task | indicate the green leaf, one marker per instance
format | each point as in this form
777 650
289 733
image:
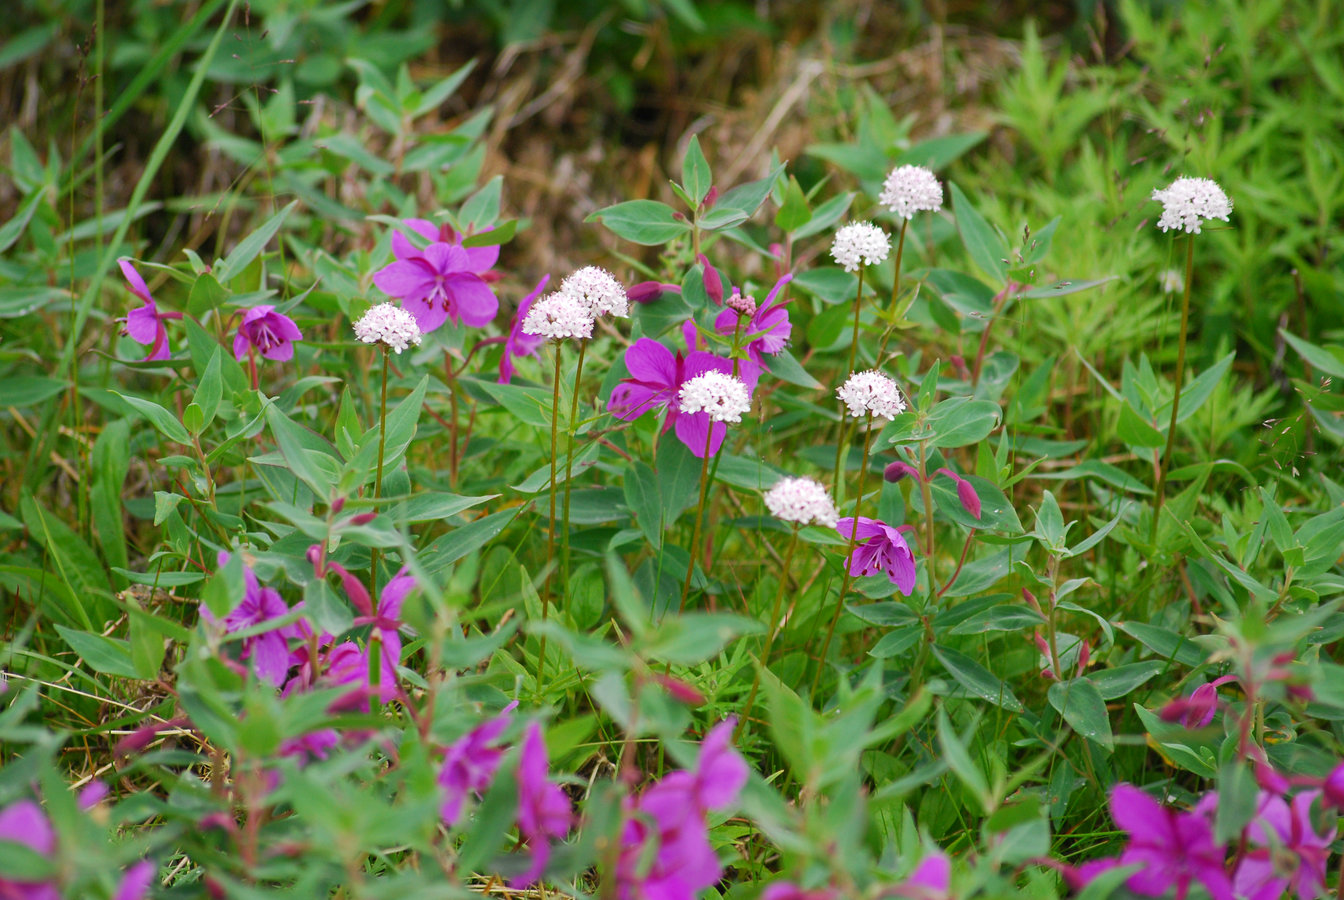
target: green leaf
1050 522
1200 389
164 422
976 679
1115 683
747 198
454 545
30 390
300 448
111 462
251 246
210 389
1000 618
983 243
482 208
164 504
958 759
1319 358
75 562
1165 643
696 179
1133 430
793 212
645 501
959 421
108 656
646 222
692 638
1082 706
437 505
13 229
207 295
499 234
1238 799
938 153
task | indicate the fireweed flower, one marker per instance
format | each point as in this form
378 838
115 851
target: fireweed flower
271 333
929 881
1197 710
910 189
543 809
860 244
883 549
871 392
766 327
24 823
385 619
389 325
724 397
656 379
518 343
269 651
1289 857
145 325
1172 849
470 764
599 290
559 316
1187 202
479 259
439 284
672 814
801 501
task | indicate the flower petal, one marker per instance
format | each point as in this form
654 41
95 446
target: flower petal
476 304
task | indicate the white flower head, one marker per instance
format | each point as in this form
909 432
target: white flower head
1171 281
860 243
599 290
909 189
801 500
558 316
390 326
723 396
871 392
1189 201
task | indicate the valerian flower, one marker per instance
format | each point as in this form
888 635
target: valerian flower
871 392
910 189
439 284
860 244
1188 202
145 324
559 316
519 343
599 290
724 397
882 549
801 501
544 812
656 379
270 333
389 325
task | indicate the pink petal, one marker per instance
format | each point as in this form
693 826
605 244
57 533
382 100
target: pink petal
428 316
402 247
240 346
693 429
476 303
411 279
142 323
650 362
137 284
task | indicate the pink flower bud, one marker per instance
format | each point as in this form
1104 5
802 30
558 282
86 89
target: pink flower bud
92 794
337 505
649 291
1270 780
317 556
970 500
1031 600
898 470
363 518
713 283
1333 788
743 306
711 198
959 366
680 690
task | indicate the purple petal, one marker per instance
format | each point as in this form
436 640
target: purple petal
428 316
933 873
447 258
482 259
650 362
240 346
402 247
142 323
1137 813
270 654
24 823
137 284
721 771
476 304
631 400
135 883
410 279
693 430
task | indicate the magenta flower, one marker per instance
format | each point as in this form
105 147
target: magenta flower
145 325
929 881
479 259
1289 857
1172 849
24 823
767 329
269 650
970 500
656 378
543 809
672 814
1197 710
519 343
437 284
270 333
135 883
469 765
883 549
386 620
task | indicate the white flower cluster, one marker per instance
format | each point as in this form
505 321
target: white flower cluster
871 392
1189 201
860 243
599 291
1171 281
559 316
909 189
724 397
389 325
801 500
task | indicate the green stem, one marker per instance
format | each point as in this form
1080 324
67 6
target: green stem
550 533
569 467
378 478
926 494
840 444
699 515
849 553
771 631
1180 379
895 291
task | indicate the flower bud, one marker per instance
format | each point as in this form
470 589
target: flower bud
712 281
649 291
1333 788
680 690
898 470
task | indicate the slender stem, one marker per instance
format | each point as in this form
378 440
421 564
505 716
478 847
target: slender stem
895 291
965 551
999 302
569 467
252 366
378 478
849 553
771 631
699 514
927 495
840 444
1180 379
550 533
